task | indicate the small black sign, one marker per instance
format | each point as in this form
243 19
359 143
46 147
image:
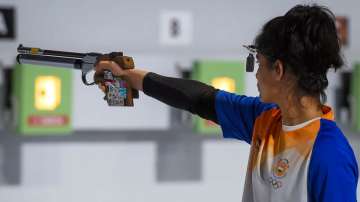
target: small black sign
7 23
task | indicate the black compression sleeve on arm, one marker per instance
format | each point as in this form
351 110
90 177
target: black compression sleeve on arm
193 96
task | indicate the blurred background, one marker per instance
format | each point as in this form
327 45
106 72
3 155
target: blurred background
73 147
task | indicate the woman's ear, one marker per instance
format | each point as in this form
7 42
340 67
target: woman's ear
278 67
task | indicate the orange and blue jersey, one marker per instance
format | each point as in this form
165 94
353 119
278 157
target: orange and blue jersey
309 162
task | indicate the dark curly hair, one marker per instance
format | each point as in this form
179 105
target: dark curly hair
305 40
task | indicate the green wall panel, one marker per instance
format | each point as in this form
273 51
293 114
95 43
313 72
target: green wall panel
207 70
31 120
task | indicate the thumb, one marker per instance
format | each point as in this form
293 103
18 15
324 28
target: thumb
108 65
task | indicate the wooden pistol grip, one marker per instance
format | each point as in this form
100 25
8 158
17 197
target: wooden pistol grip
127 62
124 62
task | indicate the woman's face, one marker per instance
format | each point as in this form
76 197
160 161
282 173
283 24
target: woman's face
266 79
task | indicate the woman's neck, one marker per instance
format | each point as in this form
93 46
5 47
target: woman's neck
294 113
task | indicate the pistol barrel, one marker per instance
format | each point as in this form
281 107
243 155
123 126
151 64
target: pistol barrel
37 51
72 63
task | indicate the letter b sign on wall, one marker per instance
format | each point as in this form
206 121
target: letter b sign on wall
176 28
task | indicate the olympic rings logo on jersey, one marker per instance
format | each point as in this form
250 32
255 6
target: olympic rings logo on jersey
275 183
